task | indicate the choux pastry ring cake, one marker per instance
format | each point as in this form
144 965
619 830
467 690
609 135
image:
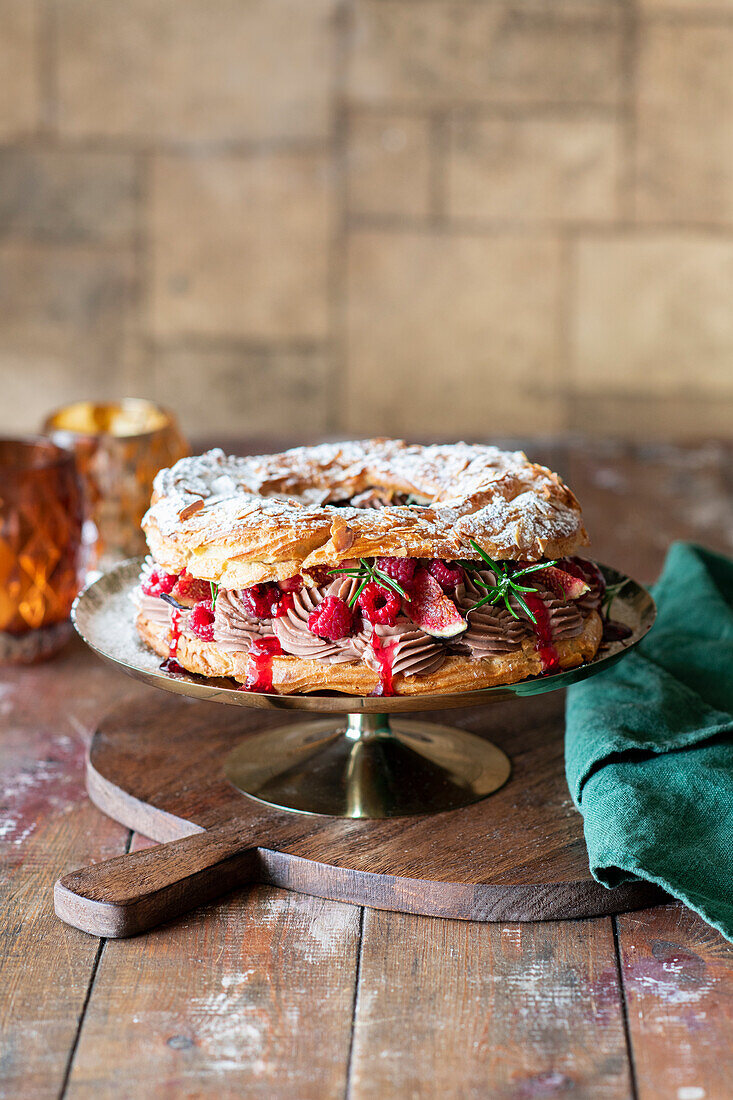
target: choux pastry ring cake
369 568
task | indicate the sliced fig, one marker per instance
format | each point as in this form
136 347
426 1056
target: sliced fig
560 582
430 608
590 573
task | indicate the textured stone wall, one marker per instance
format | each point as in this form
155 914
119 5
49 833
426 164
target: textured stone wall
427 217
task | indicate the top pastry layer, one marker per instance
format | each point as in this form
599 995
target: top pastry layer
240 521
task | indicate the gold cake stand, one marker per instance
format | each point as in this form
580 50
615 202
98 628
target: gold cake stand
359 762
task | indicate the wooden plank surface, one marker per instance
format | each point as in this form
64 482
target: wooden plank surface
255 996
46 967
678 985
461 1010
46 823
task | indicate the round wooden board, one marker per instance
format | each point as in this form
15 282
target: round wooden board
156 766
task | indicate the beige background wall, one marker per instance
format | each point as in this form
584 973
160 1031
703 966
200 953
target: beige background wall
402 216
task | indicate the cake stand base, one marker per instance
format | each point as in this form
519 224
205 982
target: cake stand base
367 766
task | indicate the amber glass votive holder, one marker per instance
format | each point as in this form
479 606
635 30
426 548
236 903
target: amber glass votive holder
119 447
41 515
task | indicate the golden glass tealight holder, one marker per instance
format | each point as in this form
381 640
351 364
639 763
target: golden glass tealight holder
119 447
41 516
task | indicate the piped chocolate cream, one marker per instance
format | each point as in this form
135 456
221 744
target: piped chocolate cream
234 629
159 611
492 629
412 651
592 599
566 621
291 629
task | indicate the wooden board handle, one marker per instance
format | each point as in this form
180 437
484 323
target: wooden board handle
134 892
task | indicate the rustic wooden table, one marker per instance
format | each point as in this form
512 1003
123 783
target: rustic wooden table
271 994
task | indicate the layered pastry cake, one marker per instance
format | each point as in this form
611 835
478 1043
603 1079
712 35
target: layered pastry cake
372 567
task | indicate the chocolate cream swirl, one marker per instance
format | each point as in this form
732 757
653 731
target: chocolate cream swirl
414 652
234 628
154 609
566 620
493 630
592 599
291 629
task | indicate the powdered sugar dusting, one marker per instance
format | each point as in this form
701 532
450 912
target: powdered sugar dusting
105 618
277 507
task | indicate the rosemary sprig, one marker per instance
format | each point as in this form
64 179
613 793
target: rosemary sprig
214 593
612 591
506 583
366 572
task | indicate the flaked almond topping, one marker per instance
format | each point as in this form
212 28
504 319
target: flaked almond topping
460 480
190 510
342 536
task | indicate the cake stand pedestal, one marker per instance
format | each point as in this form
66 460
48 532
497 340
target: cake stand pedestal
367 766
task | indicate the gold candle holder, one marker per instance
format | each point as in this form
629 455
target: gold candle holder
41 515
119 447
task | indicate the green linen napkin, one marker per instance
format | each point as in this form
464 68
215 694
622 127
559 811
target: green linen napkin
649 745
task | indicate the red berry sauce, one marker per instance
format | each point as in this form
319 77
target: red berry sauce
385 657
284 604
543 633
171 666
259 664
261 600
175 633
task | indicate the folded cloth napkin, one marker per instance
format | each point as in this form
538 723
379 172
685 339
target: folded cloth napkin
649 745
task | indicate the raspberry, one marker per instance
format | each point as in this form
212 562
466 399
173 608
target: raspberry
401 570
332 619
159 582
201 620
447 576
261 600
379 605
192 588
